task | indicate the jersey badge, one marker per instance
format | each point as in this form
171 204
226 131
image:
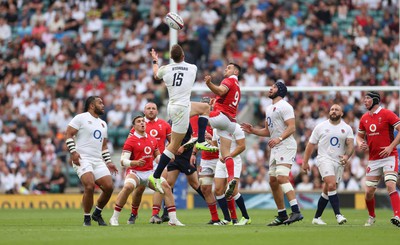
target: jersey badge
89 122
343 131
102 125
274 109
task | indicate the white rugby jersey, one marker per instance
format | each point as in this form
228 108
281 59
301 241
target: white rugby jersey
179 79
276 115
237 135
90 136
331 139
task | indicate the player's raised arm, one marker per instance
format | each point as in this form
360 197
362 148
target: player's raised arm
218 90
154 56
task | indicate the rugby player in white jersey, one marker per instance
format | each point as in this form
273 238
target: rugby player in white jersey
87 142
179 78
335 141
221 178
280 126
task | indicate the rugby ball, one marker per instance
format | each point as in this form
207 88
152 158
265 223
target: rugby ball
174 21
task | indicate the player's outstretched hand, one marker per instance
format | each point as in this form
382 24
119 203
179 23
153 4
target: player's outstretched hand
247 127
154 54
113 169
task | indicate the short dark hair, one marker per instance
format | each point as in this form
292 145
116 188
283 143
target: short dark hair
177 53
237 67
89 101
139 115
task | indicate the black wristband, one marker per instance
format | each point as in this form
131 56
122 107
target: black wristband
154 62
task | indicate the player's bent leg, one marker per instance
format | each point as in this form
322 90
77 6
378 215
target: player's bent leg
157 202
390 181
136 200
107 187
206 188
279 201
87 180
371 183
282 173
129 185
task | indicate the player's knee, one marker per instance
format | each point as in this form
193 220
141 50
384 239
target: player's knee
130 184
372 184
206 181
219 190
390 178
331 186
206 188
89 187
108 187
286 187
165 184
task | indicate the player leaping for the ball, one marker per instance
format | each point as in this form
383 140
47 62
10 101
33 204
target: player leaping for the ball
179 77
223 117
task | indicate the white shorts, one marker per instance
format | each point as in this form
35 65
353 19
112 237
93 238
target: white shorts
281 155
222 172
225 127
143 176
380 166
207 167
99 169
179 116
328 167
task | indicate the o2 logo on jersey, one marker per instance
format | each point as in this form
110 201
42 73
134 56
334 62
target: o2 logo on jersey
269 122
153 133
97 134
335 141
372 128
147 150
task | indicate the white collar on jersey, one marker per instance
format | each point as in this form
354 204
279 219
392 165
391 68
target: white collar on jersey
234 76
140 136
378 110
148 120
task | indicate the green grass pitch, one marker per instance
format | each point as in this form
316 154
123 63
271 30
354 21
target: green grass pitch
64 226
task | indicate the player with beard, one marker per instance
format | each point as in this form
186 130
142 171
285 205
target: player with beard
87 142
376 135
280 126
335 141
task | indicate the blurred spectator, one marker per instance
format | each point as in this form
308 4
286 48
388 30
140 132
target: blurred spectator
260 183
5 30
305 184
57 180
348 183
255 155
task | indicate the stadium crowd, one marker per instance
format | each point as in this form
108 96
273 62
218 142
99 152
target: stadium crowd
57 53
